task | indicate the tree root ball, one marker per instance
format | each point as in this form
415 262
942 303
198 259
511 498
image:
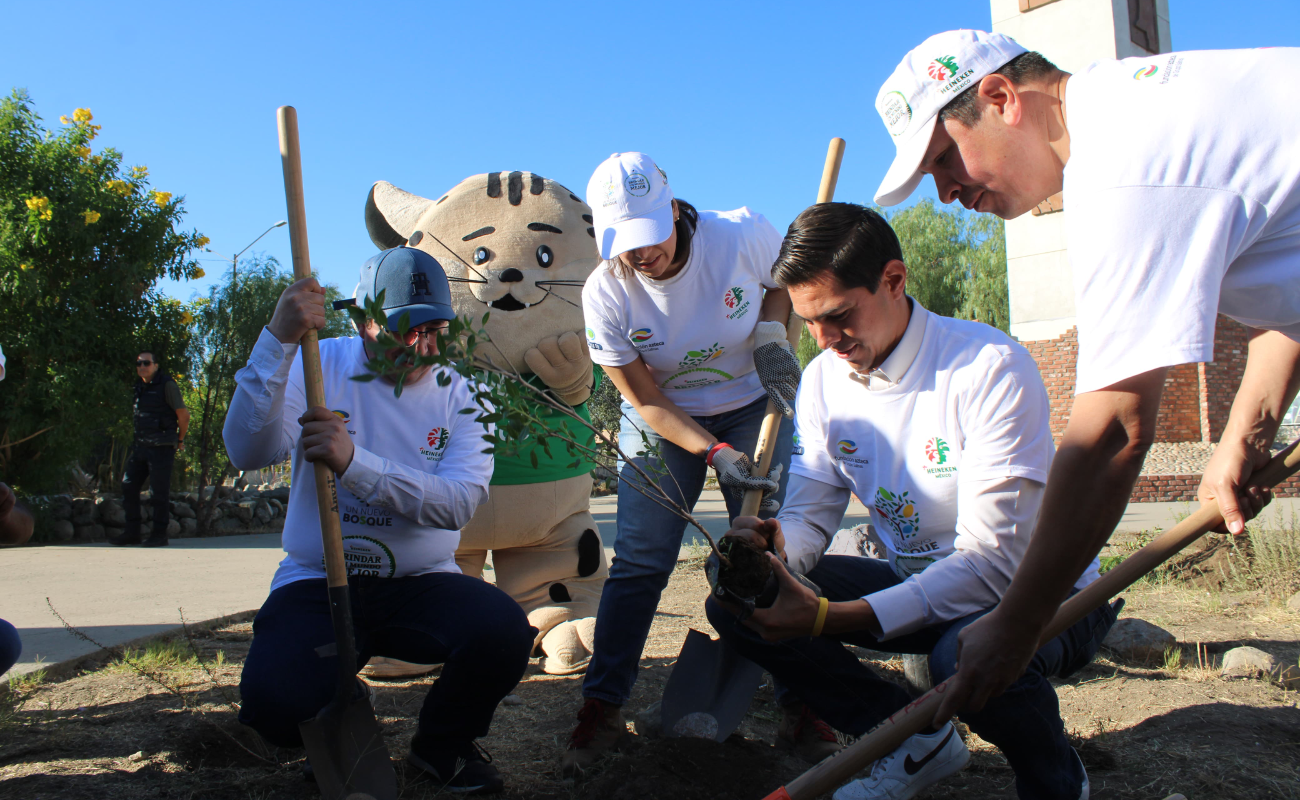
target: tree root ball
749 569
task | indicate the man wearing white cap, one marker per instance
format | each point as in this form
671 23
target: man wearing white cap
687 322
1182 177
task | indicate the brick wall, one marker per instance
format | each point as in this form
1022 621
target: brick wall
1197 397
1175 488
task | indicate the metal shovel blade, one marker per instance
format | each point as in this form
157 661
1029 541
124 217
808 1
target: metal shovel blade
346 750
708 693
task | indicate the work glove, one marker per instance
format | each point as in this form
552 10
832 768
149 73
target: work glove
734 474
564 364
776 365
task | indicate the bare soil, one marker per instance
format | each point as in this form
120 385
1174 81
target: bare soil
1144 730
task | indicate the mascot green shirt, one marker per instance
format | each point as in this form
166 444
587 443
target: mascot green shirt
559 464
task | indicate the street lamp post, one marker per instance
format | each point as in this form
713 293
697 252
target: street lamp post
234 262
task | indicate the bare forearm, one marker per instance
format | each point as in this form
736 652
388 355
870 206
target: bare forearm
183 421
850 616
1267 388
776 306
675 425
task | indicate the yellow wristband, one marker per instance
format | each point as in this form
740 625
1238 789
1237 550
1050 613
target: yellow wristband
823 605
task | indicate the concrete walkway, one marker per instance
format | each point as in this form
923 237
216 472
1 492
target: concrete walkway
119 595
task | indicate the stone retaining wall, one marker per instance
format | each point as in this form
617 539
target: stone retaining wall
64 518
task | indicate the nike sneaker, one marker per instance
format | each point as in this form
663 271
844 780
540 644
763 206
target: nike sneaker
920 762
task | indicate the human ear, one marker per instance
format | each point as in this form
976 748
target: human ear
1000 94
676 212
893 277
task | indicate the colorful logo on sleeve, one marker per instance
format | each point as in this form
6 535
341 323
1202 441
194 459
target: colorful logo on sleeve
341 414
640 335
845 453
899 511
591 336
1145 72
734 298
936 455
797 449
641 339
438 439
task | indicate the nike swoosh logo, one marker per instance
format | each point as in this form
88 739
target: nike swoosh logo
912 767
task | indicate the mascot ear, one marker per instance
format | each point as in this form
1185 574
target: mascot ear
391 214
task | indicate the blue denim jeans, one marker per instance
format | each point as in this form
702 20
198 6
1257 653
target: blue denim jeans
649 536
11 647
1024 722
480 636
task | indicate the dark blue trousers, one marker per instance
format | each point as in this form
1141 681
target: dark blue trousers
480 636
11 647
1024 722
153 464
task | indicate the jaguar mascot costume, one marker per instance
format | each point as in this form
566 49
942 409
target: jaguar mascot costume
518 247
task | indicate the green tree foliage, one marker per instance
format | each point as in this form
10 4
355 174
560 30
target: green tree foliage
956 265
227 324
83 240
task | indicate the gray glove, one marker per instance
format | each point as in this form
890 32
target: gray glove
734 474
776 365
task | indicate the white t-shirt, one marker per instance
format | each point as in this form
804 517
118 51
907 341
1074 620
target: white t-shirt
970 409
417 475
695 331
1182 198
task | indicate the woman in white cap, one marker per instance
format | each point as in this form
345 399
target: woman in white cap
675 316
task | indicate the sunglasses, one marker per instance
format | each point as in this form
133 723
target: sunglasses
143 362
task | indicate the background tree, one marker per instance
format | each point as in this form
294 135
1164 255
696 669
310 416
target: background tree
956 265
83 240
227 324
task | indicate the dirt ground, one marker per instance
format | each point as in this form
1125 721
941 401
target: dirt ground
1144 731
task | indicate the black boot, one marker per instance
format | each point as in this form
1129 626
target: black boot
125 538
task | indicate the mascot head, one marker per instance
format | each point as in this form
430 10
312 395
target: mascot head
514 244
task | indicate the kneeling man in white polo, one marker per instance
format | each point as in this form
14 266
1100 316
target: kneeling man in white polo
940 425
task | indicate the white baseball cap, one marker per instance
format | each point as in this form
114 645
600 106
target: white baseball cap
929 78
631 204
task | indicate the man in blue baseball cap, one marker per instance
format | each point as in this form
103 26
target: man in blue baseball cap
411 471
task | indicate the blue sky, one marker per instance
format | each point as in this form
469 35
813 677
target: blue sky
736 101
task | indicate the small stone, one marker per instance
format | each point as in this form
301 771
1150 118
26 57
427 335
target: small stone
182 510
1294 603
244 511
262 511
173 528
113 514
512 700
207 492
62 530
697 725
1133 639
90 533
83 511
189 528
137 756
648 721
1247 662
229 525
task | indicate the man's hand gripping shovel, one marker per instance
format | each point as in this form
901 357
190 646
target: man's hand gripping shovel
344 744
711 686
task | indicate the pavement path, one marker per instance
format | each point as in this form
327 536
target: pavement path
118 595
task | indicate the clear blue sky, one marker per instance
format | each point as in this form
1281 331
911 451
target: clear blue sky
737 101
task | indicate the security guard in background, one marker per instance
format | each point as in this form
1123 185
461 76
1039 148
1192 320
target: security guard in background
161 420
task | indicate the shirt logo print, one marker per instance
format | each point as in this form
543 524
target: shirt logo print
848 447
733 296
899 511
943 68
936 451
640 334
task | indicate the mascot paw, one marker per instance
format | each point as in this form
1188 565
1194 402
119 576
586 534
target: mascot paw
568 647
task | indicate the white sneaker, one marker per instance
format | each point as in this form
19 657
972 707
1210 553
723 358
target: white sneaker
920 762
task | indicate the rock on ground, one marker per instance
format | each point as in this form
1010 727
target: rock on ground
63 530
1133 639
1247 662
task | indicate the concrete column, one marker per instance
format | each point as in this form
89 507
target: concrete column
1071 34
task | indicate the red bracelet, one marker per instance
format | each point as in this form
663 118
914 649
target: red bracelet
713 450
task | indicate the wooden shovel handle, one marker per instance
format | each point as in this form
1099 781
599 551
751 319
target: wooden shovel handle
888 735
327 496
767 434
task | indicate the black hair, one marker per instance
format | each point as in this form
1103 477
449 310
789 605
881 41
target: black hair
153 354
847 241
1020 70
688 219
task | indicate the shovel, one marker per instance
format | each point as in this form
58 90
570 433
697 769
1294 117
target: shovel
345 747
709 678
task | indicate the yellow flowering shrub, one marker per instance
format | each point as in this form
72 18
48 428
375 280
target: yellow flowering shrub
82 115
187 318
83 152
118 187
38 204
202 241
140 172
91 216
198 273
161 198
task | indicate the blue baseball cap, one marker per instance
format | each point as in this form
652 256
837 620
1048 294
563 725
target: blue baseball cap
413 282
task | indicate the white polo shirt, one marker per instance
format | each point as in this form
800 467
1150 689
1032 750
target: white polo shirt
416 477
695 331
1182 198
949 445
